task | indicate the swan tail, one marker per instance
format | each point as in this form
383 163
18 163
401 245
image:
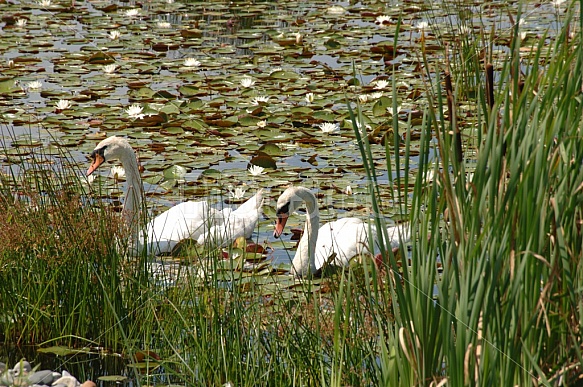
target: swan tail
252 204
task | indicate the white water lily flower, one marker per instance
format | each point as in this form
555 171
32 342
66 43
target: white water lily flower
34 85
164 24
390 110
45 3
256 170
336 10
132 12
403 84
109 69
260 99
299 37
117 173
237 193
383 20
21 23
375 95
90 179
429 176
464 30
135 111
381 84
363 98
310 97
423 25
557 3
329 127
113 35
191 62
261 124
348 190
366 126
247 82
63 104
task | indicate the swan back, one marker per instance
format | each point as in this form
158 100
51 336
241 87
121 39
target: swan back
399 234
344 238
186 220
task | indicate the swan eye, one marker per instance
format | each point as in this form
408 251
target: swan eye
283 209
98 152
97 158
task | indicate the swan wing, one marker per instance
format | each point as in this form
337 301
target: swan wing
345 238
399 234
224 234
186 220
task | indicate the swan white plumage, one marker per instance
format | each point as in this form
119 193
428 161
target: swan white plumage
189 220
346 238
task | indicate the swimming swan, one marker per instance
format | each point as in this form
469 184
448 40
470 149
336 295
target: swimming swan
347 237
188 220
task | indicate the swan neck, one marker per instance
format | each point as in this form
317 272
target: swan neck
134 190
304 262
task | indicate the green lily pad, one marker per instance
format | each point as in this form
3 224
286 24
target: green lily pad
116 378
381 105
175 172
189 90
100 58
270 149
264 161
287 75
62 351
7 85
212 173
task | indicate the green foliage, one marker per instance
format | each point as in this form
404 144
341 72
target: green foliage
506 308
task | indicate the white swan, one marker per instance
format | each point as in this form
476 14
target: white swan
188 220
347 237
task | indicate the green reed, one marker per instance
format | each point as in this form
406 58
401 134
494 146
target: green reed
61 273
507 234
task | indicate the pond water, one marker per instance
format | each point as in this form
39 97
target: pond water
185 64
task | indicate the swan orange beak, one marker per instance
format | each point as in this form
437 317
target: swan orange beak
280 224
97 161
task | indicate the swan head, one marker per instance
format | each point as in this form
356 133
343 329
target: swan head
112 148
289 201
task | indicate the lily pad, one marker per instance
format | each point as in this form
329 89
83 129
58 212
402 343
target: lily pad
62 351
282 74
264 161
175 172
116 378
270 149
